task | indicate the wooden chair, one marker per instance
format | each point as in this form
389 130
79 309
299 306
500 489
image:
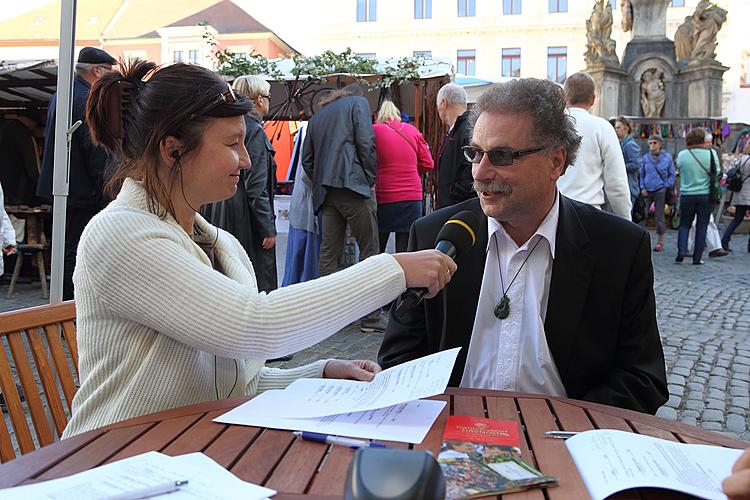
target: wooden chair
33 336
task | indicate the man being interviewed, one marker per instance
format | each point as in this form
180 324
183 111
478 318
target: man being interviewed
556 297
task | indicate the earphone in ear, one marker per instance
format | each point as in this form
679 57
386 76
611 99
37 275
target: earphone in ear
175 154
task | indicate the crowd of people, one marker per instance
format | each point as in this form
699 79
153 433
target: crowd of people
535 304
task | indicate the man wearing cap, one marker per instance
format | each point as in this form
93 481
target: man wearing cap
87 162
657 176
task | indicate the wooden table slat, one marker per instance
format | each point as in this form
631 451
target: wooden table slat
472 406
258 461
331 478
650 430
571 417
604 421
156 438
229 446
95 453
28 466
295 471
552 456
198 436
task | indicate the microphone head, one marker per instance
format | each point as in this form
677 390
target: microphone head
460 230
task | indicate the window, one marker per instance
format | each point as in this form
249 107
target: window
557 64
240 55
422 53
466 62
367 10
422 9
678 3
467 8
558 6
511 62
511 7
193 56
177 56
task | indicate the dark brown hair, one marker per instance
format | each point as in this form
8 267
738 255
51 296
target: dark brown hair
625 122
579 88
131 110
695 137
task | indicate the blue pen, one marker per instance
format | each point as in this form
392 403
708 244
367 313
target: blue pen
340 441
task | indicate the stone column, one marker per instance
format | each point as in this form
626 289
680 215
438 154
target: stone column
650 18
609 81
701 89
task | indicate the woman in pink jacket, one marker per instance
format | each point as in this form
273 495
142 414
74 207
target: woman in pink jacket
403 157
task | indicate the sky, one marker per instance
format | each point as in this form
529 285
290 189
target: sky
295 29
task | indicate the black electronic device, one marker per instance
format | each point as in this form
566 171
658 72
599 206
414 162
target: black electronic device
394 474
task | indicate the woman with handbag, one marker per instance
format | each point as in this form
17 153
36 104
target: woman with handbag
741 198
403 158
657 181
699 173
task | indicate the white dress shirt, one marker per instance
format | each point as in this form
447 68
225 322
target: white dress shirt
512 354
599 169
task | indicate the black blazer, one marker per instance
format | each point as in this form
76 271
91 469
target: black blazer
601 313
453 169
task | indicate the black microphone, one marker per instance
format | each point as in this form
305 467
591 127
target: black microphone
456 236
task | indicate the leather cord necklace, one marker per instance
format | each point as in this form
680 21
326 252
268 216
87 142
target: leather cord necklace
502 309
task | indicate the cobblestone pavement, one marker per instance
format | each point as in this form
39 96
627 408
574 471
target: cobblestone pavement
704 319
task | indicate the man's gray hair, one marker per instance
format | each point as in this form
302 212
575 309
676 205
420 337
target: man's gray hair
84 69
544 101
452 94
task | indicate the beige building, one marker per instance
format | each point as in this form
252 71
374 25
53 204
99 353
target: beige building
492 39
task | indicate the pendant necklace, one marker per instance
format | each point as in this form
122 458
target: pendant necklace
502 309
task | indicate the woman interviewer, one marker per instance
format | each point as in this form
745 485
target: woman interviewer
168 309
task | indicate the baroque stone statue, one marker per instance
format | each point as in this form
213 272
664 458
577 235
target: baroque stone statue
627 15
695 39
600 47
652 93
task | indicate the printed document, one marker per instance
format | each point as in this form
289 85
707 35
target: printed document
206 479
406 422
313 397
610 461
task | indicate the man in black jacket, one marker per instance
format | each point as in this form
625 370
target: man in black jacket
453 169
87 162
555 297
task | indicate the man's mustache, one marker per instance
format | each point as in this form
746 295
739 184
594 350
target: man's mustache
492 187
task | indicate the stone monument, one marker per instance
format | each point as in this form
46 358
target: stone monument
657 77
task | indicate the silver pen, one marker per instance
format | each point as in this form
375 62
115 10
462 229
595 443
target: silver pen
150 491
560 434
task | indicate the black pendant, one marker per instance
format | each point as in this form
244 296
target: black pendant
502 309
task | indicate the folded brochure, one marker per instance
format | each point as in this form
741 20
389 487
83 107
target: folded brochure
481 456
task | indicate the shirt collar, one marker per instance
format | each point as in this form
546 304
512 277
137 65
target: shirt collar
547 229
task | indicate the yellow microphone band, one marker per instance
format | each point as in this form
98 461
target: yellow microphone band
465 226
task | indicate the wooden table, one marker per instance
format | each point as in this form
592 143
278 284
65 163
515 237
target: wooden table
303 469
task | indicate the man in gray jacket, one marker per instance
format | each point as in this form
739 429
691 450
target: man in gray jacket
339 157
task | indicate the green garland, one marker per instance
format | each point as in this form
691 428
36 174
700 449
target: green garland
319 67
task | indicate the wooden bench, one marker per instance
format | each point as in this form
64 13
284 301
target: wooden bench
36 339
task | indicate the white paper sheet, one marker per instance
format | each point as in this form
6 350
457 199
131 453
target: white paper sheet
206 479
407 422
313 397
610 461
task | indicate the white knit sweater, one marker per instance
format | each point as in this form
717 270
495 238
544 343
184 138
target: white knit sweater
159 328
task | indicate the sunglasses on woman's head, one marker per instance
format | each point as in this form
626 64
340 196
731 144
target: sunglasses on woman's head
499 157
226 96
